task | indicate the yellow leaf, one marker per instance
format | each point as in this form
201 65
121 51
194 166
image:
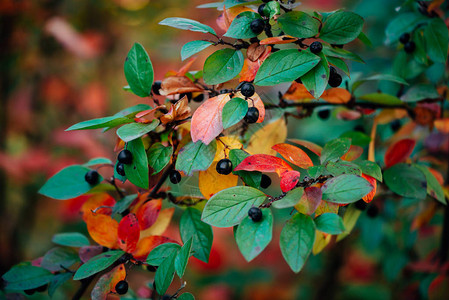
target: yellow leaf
268 136
326 207
161 224
350 218
231 142
210 182
321 241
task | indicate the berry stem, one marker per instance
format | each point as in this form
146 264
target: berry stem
161 181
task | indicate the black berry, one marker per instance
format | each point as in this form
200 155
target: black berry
121 287
266 1
316 47
224 166
120 168
156 87
404 38
151 268
372 211
125 157
324 114
42 288
260 9
257 26
409 47
359 128
247 89
175 177
334 78
30 292
92 177
189 96
361 205
225 91
255 214
199 98
395 125
265 182
252 115
298 80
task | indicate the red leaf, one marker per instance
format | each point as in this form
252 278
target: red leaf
309 145
289 180
294 155
148 213
369 197
250 67
149 243
399 152
87 252
206 121
128 233
264 163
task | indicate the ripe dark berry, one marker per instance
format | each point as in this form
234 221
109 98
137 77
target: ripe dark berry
121 287
409 47
151 268
395 125
266 1
260 9
42 288
257 26
175 177
298 80
247 89
332 70
120 168
189 96
252 115
360 128
324 114
361 205
404 38
199 98
265 182
125 157
30 292
334 79
92 177
255 214
372 211
225 91
316 47
224 166
156 87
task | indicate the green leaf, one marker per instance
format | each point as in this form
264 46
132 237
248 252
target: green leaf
379 77
316 171
228 207
343 167
335 149
132 110
298 24
240 27
420 92
341 27
232 3
346 188
365 40
339 63
71 239
285 66
434 189
234 111
137 171
67 183
183 257
252 237
252 179
161 252
25 277
296 240
357 138
341 53
105 122
187 24
222 65
97 161
139 71
196 157
330 223
404 22
57 281
436 38
165 273
186 296
370 168
193 47
121 205
159 156
97 264
406 180
191 227
134 131
381 98
290 200
316 79
58 259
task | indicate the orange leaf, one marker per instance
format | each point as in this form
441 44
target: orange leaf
178 111
128 233
336 95
148 213
230 14
211 182
437 175
353 153
255 51
294 155
424 216
310 200
178 85
101 203
283 39
206 121
442 125
147 244
297 92
289 180
250 67
309 145
103 230
369 197
264 163
185 68
399 152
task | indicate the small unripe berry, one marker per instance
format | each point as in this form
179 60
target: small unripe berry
125 157
257 26
175 177
252 115
121 287
265 182
92 177
247 89
224 166
255 214
316 47
120 168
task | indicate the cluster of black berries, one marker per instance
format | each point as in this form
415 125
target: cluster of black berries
125 157
409 46
40 289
